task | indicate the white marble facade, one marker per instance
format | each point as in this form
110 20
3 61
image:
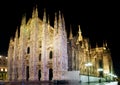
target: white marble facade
39 47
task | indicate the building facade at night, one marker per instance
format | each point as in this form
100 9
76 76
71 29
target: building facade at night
3 67
81 54
42 52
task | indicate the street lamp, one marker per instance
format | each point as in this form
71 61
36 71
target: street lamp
88 65
106 73
100 70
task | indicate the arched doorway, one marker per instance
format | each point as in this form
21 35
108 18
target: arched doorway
50 74
39 74
27 73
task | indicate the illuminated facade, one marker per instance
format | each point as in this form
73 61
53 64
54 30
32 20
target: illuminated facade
3 67
81 53
42 52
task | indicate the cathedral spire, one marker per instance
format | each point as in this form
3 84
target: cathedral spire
71 35
48 23
48 20
11 40
80 35
104 45
63 26
59 16
55 23
59 22
44 16
23 22
63 22
35 12
89 48
96 47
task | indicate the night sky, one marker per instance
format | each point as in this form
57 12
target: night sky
98 21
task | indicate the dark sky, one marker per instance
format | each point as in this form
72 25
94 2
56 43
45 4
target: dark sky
98 20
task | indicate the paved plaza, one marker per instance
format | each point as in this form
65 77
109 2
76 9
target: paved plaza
51 83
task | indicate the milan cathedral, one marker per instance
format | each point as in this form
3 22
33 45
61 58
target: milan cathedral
42 52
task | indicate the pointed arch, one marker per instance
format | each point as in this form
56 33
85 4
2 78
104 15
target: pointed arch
39 74
50 55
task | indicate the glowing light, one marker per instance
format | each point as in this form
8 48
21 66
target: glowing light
1 69
6 70
104 48
100 69
88 64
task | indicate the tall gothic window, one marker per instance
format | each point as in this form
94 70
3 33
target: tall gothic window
28 50
40 57
50 55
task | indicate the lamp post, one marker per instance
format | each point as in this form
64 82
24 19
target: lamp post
88 65
106 73
100 70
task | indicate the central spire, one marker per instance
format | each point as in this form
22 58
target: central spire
35 12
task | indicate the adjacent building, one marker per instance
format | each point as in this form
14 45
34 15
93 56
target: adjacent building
3 67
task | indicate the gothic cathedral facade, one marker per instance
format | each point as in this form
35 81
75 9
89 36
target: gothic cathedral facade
42 52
